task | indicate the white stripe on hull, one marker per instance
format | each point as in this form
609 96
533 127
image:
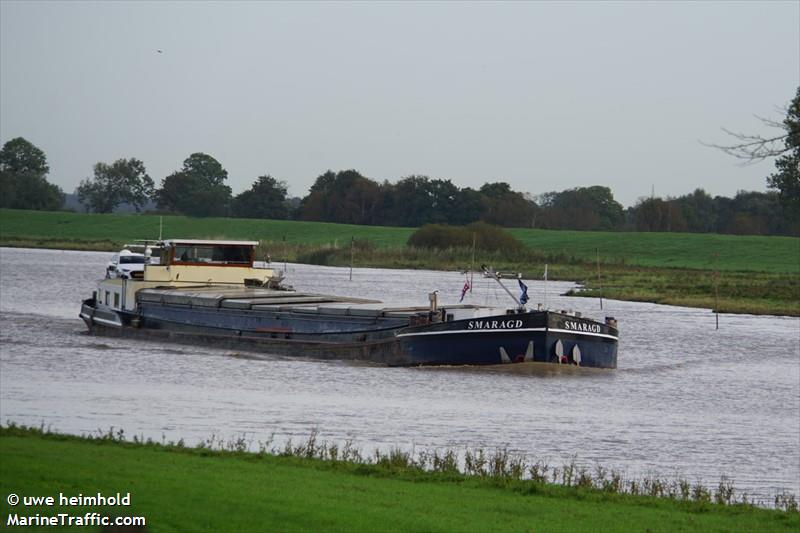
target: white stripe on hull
459 331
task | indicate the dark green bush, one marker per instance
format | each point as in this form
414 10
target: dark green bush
493 238
440 236
487 237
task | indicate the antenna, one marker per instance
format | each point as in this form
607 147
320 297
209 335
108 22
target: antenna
160 227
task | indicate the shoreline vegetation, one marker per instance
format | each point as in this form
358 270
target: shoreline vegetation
752 274
322 485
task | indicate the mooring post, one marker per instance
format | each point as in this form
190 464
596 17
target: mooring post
716 288
352 244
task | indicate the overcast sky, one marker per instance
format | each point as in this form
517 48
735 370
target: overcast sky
545 96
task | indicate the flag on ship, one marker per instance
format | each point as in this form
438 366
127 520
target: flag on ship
523 298
464 290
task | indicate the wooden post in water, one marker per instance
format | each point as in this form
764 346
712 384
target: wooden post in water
599 284
716 287
352 245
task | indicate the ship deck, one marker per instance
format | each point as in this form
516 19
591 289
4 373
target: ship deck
260 299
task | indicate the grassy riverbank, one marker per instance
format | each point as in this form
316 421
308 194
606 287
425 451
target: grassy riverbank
759 275
775 293
177 488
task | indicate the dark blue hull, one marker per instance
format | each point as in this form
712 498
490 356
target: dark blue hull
543 337
486 351
537 336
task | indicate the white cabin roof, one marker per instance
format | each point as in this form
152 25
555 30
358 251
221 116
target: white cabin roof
178 242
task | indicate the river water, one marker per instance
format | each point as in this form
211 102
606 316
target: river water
686 400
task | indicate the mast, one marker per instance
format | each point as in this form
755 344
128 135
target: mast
545 286
599 284
489 271
472 265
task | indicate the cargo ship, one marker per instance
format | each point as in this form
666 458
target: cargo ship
212 292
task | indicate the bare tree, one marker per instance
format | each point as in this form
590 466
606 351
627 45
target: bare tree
756 148
785 148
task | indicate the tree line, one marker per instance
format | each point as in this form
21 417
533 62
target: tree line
199 189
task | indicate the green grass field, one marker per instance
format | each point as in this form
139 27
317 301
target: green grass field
752 253
180 489
665 250
759 275
68 226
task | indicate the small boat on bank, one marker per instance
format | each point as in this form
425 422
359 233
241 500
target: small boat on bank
204 291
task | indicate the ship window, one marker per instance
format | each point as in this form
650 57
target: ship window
107 297
214 255
116 299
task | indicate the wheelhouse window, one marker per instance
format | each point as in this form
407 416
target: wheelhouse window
212 255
